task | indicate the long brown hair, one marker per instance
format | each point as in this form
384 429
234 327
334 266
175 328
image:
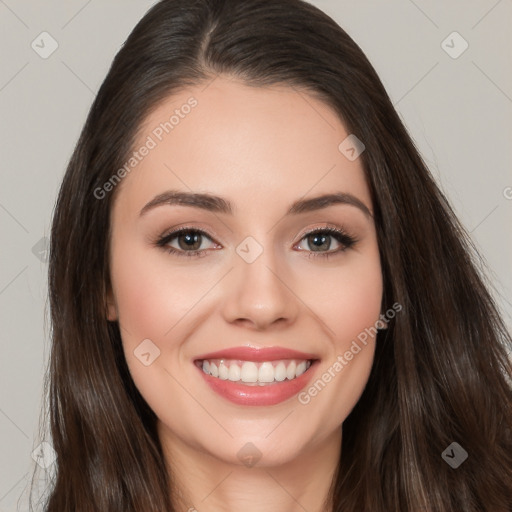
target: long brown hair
441 372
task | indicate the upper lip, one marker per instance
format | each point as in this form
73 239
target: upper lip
257 354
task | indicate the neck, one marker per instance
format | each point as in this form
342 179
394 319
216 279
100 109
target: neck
204 483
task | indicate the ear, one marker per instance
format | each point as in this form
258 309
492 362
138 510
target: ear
111 306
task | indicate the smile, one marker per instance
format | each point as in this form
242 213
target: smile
257 377
255 373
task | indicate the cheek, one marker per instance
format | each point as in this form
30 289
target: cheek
151 294
348 298
151 298
155 299
357 305
349 305
351 313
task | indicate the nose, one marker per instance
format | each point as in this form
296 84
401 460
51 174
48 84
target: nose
260 294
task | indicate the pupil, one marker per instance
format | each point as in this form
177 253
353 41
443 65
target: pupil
191 241
319 241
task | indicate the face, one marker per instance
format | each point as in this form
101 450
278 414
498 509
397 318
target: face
262 282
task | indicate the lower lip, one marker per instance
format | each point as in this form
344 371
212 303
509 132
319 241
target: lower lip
269 394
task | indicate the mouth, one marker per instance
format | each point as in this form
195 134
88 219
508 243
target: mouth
248 376
252 373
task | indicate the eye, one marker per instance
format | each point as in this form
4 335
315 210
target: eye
320 239
188 242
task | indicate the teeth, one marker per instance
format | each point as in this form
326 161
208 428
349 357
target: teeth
249 372
223 371
290 371
266 373
301 368
280 372
234 373
255 373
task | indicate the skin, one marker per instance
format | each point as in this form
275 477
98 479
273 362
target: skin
262 149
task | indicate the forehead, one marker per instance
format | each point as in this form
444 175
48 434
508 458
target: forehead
258 146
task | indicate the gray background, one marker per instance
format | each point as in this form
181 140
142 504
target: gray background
458 111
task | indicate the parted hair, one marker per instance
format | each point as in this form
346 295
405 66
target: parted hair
441 372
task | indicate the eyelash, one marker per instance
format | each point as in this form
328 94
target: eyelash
341 236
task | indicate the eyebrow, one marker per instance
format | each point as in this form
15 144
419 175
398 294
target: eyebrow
218 204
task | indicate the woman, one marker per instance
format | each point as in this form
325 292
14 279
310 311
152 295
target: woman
208 353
